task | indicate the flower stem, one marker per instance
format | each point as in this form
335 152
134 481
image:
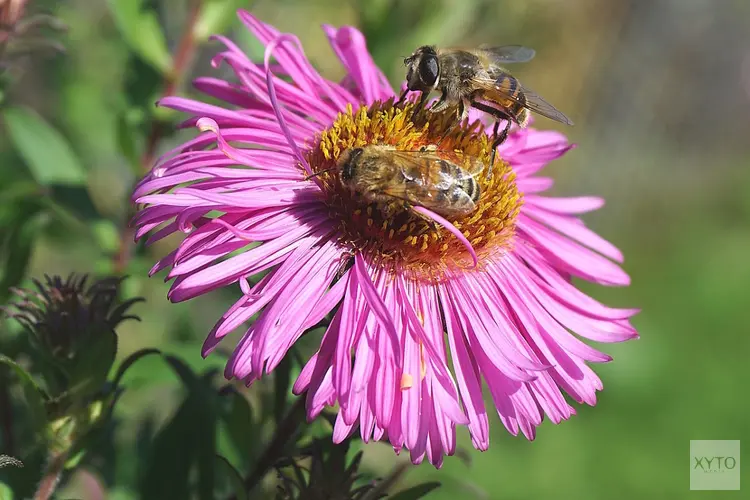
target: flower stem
51 477
181 65
182 58
275 449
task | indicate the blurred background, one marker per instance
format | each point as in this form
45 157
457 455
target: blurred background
660 94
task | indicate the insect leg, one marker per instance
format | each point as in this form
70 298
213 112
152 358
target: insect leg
402 97
420 104
440 105
497 139
454 123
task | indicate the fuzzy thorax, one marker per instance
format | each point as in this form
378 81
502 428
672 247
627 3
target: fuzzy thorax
400 240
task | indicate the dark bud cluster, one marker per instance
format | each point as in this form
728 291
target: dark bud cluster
322 472
63 315
72 329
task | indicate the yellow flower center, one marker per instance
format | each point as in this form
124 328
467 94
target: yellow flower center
400 240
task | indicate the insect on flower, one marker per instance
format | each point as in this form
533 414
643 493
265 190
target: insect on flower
260 190
474 78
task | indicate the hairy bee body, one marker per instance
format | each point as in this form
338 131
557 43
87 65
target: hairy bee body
466 77
475 78
382 174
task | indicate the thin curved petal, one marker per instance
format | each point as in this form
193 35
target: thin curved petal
404 359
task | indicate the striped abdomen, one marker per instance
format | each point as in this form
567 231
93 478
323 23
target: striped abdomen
507 85
457 191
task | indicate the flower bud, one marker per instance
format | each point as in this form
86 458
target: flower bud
72 329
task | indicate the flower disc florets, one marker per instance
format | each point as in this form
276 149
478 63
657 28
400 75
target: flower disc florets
436 312
402 241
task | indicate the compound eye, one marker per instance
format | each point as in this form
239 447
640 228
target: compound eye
412 82
347 173
428 70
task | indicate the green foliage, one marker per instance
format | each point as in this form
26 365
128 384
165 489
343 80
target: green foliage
34 398
217 16
146 415
140 28
6 492
415 492
48 155
226 471
16 243
187 441
243 431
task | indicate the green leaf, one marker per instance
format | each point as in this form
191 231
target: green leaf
244 434
89 372
106 235
143 446
154 371
16 250
415 492
15 191
6 493
281 381
33 394
182 370
142 87
129 361
75 202
192 356
75 460
167 468
235 478
206 440
188 440
127 140
217 16
45 151
139 26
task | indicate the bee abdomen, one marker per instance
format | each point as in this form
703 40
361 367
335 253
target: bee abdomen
464 187
471 188
511 87
448 169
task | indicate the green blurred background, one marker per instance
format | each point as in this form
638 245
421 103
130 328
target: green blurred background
660 94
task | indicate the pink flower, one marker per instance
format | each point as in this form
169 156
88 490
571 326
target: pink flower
410 296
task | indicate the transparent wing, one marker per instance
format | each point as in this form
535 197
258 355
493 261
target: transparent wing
429 163
508 53
506 87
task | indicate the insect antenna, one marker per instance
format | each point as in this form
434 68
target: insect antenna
316 174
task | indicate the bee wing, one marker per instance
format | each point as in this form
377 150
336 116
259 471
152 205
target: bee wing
418 160
508 53
507 87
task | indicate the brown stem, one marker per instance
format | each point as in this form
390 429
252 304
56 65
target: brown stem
182 58
51 478
275 449
180 66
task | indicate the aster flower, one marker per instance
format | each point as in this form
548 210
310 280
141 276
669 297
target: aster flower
417 326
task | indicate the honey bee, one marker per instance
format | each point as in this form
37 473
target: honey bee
474 78
390 177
